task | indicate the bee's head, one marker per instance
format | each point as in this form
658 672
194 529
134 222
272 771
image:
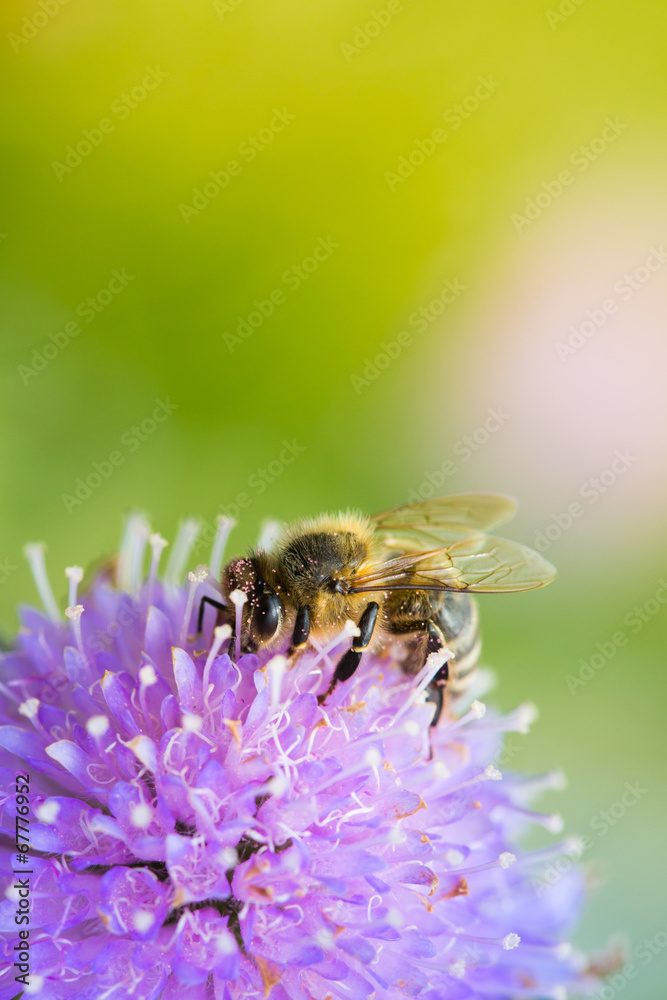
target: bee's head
262 614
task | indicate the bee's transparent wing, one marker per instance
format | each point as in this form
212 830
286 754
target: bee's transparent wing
441 520
479 563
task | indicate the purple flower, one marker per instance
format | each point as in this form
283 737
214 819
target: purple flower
201 828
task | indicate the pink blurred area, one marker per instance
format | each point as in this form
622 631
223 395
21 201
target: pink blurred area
581 384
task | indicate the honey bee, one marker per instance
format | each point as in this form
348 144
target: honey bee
405 574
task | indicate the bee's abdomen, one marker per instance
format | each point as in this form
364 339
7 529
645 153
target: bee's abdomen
458 617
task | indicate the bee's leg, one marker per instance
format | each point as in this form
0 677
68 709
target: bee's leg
348 663
301 631
430 639
202 603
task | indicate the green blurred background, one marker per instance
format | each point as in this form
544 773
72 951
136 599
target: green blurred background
380 402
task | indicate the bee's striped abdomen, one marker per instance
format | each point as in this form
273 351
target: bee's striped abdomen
458 617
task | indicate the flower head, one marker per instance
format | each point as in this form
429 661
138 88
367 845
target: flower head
202 828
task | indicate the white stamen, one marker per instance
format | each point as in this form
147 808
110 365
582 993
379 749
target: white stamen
228 857
34 553
349 629
142 920
433 664
141 815
411 728
225 525
269 534
74 614
238 599
276 666
458 969
47 812
220 633
131 556
554 823
191 723
373 757
29 708
185 539
157 544
492 773
147 675
511 941
97 725
195 579
504 861
75 575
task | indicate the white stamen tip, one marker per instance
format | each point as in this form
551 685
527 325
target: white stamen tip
457 969
350 628
97 725
191 723
372 757
199 574
526 716
142 920
511 941
141 815
411 728
222 632
35 984
74 573
454 858
238 598
440 770
147 675
74 612
228 857
573 846
492 773
554 823
478 708
157 542
507 859
47 812
29 708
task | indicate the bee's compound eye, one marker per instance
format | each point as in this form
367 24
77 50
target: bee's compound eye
267 616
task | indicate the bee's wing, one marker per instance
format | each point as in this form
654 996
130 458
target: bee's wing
441 520
479 563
